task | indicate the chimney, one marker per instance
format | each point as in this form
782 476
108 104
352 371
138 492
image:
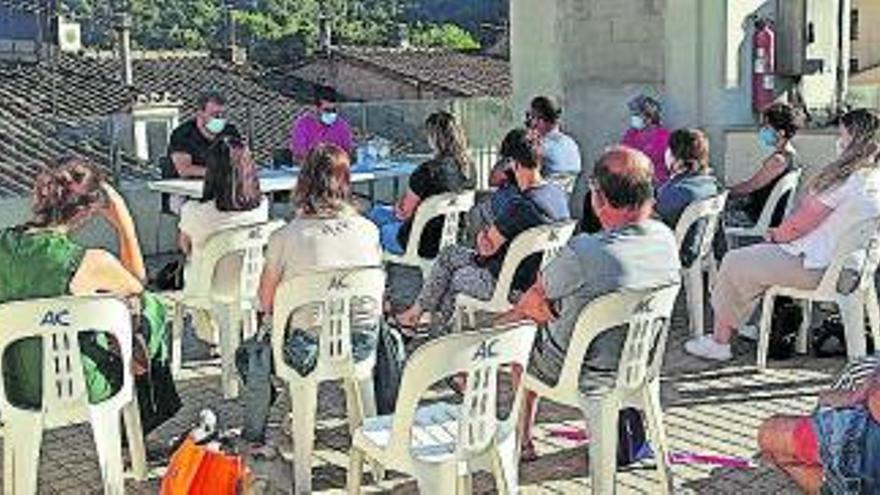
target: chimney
122 25
403 36
325 33
233 53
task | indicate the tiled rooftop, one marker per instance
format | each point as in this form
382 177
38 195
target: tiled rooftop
707 409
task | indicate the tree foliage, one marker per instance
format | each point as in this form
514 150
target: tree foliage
275 30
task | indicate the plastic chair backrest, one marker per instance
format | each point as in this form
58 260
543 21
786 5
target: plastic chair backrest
547 239
331 295
59 322
863 236
646 315
710 209
785 188
249 241
450 206
479 354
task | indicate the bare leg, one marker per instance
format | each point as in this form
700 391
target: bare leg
777 441
527 416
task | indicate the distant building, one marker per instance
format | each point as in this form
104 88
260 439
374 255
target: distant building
865 37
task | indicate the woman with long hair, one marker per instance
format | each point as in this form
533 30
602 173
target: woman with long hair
447 171
40 259
845 193
230 198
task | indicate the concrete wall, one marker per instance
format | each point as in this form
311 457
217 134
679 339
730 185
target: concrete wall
866 47
743 155
592 54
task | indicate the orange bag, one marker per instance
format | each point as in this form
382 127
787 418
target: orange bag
196 470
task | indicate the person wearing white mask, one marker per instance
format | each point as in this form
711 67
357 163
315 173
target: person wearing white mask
647 134
189 143
796 253
320 124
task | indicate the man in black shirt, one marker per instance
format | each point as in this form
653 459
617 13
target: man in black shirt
190 141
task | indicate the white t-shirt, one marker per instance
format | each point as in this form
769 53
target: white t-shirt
308 245
200 220
855 200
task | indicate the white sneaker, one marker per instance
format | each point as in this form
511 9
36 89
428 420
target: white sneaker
749 332
705 347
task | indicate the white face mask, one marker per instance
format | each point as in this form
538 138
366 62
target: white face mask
840 146
637 122
669 159
215 125
329 118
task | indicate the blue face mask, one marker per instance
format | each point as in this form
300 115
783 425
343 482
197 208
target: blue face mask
768 138
637 122
329 118
216 125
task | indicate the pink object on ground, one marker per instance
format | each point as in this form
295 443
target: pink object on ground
713 459
571 434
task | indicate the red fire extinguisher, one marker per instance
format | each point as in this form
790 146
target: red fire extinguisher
764 65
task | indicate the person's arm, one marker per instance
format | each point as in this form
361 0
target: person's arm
119 217
489 241
299 140
874 402
770 169
811 212
184 243
533 304
406 207
269 280
100 272
348 138
184 165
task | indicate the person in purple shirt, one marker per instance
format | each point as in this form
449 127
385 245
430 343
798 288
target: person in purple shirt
319 125
647 134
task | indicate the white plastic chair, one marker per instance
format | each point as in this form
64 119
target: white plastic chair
443 444
58 323
546 239
852 305
228 310
647 315
329 297
450 206
709 209
787 184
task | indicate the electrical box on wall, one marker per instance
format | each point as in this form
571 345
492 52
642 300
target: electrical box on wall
794 31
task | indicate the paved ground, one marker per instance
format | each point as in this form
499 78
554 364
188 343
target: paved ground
707 410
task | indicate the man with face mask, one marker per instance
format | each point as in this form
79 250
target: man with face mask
321 124
190 142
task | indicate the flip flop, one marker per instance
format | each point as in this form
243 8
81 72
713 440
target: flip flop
408 332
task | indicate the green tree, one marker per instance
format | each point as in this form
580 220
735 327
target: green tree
443 35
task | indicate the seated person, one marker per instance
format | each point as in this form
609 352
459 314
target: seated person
647 134
230 198
446 172
39 259
691 180
632 251
327 234
836 449
562 155
747 199
458 269
320 125
844 194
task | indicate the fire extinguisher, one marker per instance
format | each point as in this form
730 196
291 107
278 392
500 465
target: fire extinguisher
763 56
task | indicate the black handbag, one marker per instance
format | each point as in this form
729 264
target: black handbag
390 360
786 321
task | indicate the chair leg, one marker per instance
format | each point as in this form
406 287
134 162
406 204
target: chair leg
873 309
228 318
437 481
602 419
355 470
367 397
505 466
852 311
464 484
135 433
105 428
176 340
22 435
693 280
654 419
803 338
712 268
764 330
303 433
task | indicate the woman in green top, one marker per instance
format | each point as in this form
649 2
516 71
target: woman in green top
39 259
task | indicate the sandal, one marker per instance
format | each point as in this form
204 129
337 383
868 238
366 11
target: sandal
408 332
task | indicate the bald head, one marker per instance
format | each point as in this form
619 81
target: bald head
624 177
